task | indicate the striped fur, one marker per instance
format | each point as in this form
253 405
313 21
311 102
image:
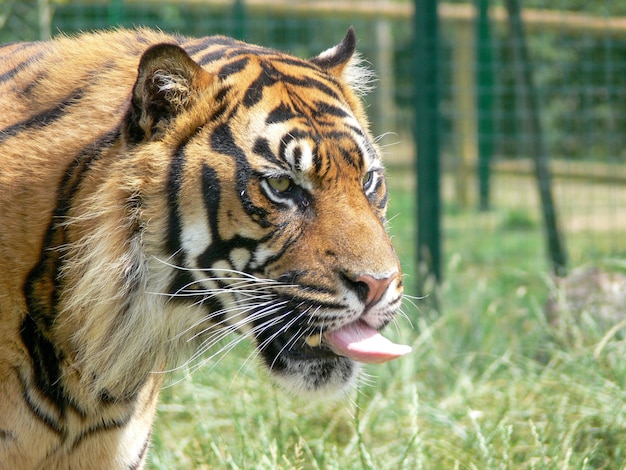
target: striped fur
156 193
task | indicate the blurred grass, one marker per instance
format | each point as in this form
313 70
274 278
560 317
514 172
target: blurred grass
490 385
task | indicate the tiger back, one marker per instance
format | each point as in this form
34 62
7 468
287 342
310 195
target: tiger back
159 192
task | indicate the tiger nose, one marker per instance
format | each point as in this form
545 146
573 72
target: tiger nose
373 288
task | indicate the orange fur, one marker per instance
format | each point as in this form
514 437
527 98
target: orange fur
136 205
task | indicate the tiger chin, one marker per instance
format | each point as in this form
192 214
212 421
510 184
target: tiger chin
159 192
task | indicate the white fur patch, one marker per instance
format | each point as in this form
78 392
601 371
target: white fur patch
359 76
195 238
239 258
299 155
331 52
261 255
222 269
175 86
372 160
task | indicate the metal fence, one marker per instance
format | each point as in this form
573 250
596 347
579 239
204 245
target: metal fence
488 140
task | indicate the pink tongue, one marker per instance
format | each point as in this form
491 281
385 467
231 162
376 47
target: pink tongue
363 343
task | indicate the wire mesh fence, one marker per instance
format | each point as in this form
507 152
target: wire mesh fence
578 56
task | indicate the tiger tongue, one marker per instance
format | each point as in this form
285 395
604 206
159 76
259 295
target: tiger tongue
363 343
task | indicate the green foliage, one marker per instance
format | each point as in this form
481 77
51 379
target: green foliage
517 219
18 20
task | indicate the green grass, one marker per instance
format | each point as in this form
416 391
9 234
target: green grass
490 385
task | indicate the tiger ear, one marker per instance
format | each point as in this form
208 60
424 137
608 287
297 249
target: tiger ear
335 59
345 63
167 82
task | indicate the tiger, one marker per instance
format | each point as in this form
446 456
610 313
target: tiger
159 193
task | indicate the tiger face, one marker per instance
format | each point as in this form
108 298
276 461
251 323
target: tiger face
277 214
159 193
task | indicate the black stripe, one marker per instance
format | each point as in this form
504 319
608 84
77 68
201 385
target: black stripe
281 113
299 301
297 158
6 435
297 63
14 71
196 47
212 197
222 141
8 75
42 288
230 51
53 422
242 48
254 93
262 148
219 249
27 91
174 184
49 262
103 426
47 371
210 41
292 239
175 179
318 161
308 82
9 44
183 278
43 119
293 134
358 131
327 108
211 57
291 278
270 75
348 157
221 95
352 155
338 135
383 201
219 112
233 67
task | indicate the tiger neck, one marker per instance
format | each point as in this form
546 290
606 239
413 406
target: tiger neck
90 328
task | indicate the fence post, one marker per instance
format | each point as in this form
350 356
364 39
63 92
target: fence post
556 247
426 123
484 90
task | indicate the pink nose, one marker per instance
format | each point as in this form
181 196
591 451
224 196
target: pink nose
376 288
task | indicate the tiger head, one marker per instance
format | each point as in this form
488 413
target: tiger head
277 199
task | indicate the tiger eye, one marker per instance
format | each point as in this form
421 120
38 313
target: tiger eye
280 184
367 180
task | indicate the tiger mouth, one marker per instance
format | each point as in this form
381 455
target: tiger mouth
356 341
314 340
310 349
324 361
